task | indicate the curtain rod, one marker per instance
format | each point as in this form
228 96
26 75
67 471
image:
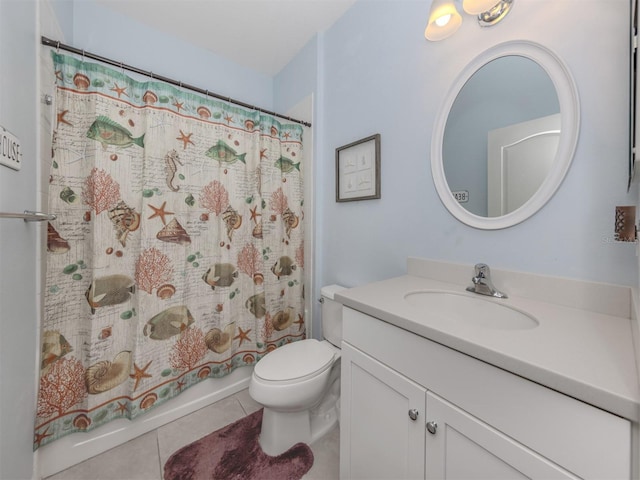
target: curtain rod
56 44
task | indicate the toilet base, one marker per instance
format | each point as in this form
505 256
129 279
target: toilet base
282 430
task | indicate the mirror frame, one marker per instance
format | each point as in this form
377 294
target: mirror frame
570 125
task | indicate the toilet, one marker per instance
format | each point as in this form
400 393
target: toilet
298 384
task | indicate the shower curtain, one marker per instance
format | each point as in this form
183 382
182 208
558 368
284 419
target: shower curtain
177 251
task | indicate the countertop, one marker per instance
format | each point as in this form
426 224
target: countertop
586 355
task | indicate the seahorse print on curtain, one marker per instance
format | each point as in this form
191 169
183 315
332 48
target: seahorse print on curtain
177 252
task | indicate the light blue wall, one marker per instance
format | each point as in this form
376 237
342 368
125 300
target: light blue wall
63 10
381 76
102 31
18 255
297 79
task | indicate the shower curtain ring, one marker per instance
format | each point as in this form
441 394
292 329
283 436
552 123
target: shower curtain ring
83 55
58 47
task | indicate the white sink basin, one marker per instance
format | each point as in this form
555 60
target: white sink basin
476 310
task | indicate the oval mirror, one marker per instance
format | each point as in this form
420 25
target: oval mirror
505 136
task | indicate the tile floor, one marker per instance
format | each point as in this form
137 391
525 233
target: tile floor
143 458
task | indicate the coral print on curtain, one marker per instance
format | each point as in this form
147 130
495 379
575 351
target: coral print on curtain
177 252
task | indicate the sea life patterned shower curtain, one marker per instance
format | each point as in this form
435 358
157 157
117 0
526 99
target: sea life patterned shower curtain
177 252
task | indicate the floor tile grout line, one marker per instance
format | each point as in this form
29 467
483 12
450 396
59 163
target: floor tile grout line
159 458
240 403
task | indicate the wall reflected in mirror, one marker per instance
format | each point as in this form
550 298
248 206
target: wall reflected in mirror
501 136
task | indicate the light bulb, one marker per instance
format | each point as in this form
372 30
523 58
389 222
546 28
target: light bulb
443 20
476 7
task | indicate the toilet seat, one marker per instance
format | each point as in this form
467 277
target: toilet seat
295 362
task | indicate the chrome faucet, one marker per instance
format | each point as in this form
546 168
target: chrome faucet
482 282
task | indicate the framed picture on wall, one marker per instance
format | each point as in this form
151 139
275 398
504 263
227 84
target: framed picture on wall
358 170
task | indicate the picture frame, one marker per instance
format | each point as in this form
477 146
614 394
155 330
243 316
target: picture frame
358 170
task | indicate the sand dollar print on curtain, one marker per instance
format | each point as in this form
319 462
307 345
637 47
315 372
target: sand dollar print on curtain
177 252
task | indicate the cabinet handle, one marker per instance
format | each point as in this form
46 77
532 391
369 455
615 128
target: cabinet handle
432 427
413 414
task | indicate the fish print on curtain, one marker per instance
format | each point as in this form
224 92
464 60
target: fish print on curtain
177 251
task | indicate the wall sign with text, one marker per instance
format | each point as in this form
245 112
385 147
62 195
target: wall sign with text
10 149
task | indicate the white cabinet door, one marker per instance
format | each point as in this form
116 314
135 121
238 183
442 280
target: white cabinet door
463 447
379 438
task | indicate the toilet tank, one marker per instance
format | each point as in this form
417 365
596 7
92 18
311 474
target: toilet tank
331 314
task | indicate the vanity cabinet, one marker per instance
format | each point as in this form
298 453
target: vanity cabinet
383 436
413 408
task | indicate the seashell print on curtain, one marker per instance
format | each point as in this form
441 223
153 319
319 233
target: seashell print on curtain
177 251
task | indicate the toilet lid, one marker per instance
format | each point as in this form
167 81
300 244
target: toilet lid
295 361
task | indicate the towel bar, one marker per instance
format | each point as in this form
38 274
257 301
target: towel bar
29 216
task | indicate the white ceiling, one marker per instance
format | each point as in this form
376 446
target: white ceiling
263 35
